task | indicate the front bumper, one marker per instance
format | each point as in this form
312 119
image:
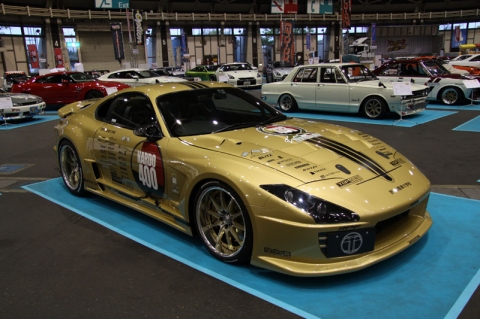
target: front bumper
306 250
21 112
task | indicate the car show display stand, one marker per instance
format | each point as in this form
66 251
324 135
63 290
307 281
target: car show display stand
471 84
5 102
402 89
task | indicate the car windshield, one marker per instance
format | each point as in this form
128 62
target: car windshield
147 74
160 72
212 67
237 67
357 73
205 111
81 77
435 68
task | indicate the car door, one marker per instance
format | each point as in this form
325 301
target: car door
303 87
332 91
54 89
128 163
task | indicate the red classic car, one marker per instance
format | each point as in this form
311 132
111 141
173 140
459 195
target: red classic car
67 87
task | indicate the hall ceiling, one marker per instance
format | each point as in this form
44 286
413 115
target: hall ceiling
257 6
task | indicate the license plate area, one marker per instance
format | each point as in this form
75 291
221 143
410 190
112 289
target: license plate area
350 242
34 110
246 83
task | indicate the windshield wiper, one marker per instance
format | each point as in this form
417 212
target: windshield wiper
276 118
235 126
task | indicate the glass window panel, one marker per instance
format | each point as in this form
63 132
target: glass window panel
69 32
196 31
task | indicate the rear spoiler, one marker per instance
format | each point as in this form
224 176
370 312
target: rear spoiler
74 107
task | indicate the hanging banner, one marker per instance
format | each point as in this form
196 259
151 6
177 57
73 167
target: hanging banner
137 22
117 37
184 44
33 55
374 34
320 6
346 13
58 58
284 6
287 44
130 40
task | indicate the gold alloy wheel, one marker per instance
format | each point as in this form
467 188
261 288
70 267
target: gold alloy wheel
221 222
70 168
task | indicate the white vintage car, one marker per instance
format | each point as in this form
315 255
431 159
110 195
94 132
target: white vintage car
239 74
343 87
136 77
22 106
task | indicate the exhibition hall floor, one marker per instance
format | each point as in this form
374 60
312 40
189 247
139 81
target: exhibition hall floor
63 256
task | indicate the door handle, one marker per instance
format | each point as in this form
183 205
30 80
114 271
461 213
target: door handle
103 139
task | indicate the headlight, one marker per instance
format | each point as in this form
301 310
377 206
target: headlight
322 211
231 77
259 75
277 73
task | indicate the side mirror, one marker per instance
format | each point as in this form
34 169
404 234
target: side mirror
150 131
65 81
135 77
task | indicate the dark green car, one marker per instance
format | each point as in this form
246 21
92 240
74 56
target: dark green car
204 72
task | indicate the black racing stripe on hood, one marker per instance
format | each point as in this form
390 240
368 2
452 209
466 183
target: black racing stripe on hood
352 155
195 85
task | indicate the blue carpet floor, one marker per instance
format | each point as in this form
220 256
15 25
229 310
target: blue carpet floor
432 279
408 121
466 107
22 123
471 126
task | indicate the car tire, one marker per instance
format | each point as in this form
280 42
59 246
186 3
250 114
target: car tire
213 78
451 96
374 108
223 224
94 94
71 168
287 103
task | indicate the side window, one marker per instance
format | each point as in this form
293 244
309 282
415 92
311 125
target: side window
53 79
128 110
391 70
477 58
306 75
327 75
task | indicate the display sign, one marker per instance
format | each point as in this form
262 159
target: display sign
112 4
6 103
137 19
346 13
284 6
117 37
320 6
33 56
287 42
402 88
58 57
73 44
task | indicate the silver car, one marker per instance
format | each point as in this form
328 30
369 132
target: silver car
23 105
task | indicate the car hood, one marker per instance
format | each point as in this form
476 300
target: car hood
242 73
310 151
22 97
387 84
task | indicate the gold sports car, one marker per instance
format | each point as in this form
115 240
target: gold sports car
294 196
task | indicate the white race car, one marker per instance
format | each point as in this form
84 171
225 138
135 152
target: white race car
239 74
136 77
23 106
